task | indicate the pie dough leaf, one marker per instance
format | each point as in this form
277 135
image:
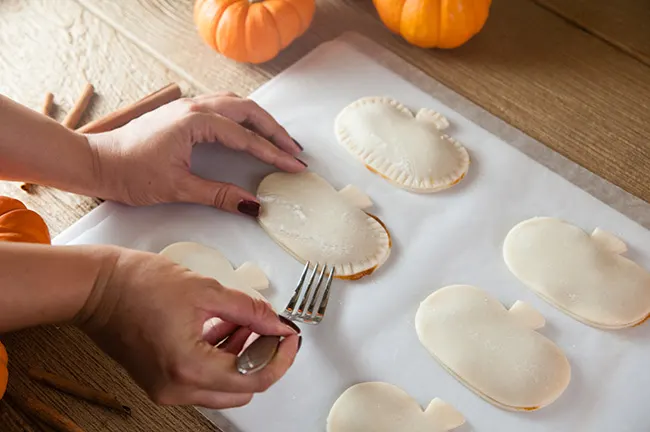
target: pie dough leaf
488 349
585 276
409 151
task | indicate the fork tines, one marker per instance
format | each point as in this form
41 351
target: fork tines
313 296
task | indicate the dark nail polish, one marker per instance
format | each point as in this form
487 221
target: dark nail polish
290 323
298 144
301 162
250 208
299 343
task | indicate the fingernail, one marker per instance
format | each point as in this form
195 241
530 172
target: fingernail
299 343
250 208
302 162
298 144
290 323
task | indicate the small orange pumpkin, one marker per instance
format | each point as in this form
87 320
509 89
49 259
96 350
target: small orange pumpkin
4 372
18 224
252 31
434 23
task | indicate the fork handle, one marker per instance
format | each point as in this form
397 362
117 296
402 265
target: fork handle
258 354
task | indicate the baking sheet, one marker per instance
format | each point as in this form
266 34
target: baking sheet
447 238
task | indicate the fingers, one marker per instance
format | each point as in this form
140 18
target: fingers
216 330
235 343
251 115
209 127
219 370
219 400
241 309
225 196
204 398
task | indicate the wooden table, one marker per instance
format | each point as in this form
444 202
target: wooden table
573 74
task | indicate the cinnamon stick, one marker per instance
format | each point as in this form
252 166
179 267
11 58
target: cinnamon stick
47 104
89 394
45 110
124 115
46 414
72 119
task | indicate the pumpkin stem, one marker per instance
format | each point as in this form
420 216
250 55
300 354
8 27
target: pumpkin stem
255 1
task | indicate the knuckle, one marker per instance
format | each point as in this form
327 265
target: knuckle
189 105
227 93
221 196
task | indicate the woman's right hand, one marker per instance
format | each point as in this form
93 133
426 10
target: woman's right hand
148 314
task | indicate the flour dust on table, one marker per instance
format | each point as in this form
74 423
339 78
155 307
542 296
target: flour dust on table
316 223
494 351
582 275
409 151
383 407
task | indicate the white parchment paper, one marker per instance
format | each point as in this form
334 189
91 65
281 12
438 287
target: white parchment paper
452 237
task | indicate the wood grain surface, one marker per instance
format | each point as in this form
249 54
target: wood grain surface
568 73
622 23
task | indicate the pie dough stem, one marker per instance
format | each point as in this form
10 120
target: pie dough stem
443 416
527 315
609 241
431 116
355 197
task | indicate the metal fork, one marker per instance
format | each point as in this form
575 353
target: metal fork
258 354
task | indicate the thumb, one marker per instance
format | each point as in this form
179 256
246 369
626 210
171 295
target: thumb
224 196
241 309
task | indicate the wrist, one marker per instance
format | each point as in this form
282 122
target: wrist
105 178
99 301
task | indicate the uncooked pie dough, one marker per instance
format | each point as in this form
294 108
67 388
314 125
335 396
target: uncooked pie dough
493 351
409 151
383 407
583 275
209 262
305 215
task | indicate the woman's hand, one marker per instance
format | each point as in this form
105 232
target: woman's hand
147 161
149 314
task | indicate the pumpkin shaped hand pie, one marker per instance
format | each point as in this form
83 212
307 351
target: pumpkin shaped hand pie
493 351
583 275
409 151
383 407
252 31
312 221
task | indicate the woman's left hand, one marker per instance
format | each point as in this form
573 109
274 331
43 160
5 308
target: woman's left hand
147 161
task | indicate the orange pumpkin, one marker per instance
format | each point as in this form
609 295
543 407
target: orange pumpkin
4 372
18 224
252 31
434 23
